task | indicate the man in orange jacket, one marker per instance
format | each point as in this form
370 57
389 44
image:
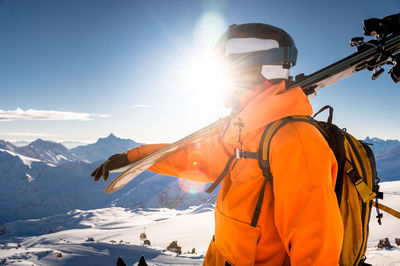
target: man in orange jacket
299 222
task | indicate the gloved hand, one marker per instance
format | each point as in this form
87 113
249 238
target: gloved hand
114 162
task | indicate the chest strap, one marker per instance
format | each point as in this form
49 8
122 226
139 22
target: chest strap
238 154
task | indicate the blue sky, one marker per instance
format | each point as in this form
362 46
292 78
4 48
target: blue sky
121 66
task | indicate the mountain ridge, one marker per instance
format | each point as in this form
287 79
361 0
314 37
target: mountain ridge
104 148
379 146
56 152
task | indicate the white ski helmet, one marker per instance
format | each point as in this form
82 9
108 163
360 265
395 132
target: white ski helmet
256 44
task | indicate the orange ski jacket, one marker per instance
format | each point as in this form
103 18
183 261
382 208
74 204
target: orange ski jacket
300 222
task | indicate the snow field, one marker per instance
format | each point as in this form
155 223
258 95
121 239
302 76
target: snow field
390 228
115 232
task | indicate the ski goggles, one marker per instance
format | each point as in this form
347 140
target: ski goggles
285 56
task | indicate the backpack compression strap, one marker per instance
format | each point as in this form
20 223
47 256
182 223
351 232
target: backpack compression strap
386 209
366 194
264 151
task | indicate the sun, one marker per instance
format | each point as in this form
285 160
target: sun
207 78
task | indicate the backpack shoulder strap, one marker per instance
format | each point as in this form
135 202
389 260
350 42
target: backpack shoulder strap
264 150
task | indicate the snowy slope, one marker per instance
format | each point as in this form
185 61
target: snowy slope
390 228
26 160
33 189
5 145
155 191
40 240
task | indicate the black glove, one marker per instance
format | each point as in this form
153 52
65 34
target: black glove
114 162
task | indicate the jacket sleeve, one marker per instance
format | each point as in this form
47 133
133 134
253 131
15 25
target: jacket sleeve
200 162
143 151
307 215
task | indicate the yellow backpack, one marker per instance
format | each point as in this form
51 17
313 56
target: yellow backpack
356 185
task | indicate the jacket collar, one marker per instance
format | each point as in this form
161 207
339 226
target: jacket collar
273 103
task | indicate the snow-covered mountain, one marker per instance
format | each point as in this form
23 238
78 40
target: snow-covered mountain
388 165
387 154
47 151
381 146
33 189
55 153
5 145
104 148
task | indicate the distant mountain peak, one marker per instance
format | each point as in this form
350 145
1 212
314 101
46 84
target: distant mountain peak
46 151
111 139
39 141
46 144
104 148
111 136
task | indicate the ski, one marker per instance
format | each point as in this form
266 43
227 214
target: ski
136 168
371 55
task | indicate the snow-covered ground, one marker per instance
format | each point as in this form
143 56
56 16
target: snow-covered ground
116 232
390 228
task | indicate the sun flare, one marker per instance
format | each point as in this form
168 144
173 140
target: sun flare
207 78
204 76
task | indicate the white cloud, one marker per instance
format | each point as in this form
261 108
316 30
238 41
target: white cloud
141 106
31 114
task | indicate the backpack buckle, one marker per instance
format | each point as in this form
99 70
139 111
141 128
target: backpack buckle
239 154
